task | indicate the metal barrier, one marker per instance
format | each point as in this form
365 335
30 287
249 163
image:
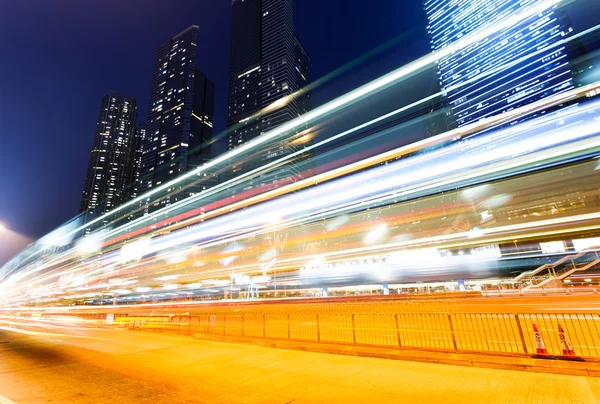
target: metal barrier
582 330
508 334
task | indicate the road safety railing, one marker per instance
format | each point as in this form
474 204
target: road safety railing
547 335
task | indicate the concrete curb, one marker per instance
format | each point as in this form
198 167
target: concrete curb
480 360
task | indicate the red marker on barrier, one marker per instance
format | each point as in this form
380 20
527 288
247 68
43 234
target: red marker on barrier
540 347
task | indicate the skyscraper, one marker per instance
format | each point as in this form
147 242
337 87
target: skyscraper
267 64
111 172
511 83
180 117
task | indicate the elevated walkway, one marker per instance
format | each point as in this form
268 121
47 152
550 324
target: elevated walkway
551 275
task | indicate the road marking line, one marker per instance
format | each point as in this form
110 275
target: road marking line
4 400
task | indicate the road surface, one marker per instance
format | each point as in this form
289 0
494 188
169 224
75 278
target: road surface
119 366
509 303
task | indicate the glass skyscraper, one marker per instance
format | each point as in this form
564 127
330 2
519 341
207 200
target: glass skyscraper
180 116
268 66
521 63
113 162
267 63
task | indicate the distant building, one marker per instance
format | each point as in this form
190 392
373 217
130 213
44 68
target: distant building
110 178
180 117
539 76
267 64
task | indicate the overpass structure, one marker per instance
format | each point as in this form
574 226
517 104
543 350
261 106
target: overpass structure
374 198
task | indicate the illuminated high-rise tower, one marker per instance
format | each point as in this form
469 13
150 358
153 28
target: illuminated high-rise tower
522 63
113 162
180 116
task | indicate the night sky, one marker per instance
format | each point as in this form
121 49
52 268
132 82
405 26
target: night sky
60 56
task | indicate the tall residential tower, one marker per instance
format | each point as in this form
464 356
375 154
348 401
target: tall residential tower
113 162
180 117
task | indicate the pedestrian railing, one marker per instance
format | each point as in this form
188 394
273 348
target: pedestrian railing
548 334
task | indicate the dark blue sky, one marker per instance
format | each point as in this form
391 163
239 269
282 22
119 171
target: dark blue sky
60 56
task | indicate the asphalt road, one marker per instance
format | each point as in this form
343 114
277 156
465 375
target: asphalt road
78 365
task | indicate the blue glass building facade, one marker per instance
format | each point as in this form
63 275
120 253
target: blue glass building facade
514 67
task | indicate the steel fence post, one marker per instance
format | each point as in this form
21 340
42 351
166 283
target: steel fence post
353 330
318 329
521 335
452 332
398 330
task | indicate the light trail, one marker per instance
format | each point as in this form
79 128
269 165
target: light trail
314 199
40 324
49 334
455 134
503 166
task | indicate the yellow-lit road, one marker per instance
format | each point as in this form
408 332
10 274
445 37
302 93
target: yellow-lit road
120 366
509 303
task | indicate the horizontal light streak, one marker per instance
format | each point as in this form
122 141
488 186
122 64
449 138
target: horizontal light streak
526 144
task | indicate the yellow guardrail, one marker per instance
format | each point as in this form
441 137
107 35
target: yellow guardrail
549 334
